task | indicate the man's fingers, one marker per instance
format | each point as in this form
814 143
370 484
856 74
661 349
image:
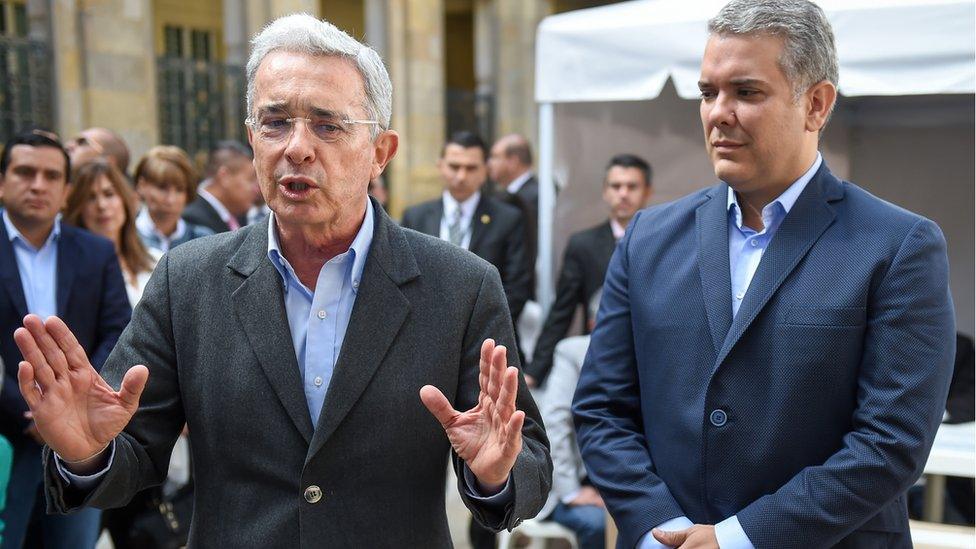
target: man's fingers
484 368
49 348
133 384
28 388
505 405
438 405
673 539
41 372
67 342
499 362
514 443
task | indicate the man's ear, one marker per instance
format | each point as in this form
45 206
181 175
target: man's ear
820 100
385 148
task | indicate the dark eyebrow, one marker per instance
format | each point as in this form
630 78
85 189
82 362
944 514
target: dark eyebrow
746 82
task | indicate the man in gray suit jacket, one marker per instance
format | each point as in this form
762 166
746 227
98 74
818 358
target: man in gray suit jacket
295 349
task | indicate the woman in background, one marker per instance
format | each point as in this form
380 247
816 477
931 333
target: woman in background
166 182
102 202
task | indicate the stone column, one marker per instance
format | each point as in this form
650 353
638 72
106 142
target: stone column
516 24
415 59
105 69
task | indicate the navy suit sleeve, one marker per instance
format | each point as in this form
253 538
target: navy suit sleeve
114 311
569 294
903 381
607 409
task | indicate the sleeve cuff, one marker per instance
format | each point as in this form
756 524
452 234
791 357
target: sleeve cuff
499 500
730 535
84 482
678 523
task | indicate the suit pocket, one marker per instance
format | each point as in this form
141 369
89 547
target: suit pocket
825 316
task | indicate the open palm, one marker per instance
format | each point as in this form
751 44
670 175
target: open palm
487 437
76 412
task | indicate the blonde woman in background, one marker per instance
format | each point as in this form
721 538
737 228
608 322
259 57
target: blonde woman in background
102 202
166 181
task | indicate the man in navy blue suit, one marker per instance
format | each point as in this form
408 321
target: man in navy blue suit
772 354
47 268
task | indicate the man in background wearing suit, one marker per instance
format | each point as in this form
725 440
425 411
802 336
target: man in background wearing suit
772 354
466 217
48 268
626 189
510 167
224 198
325 361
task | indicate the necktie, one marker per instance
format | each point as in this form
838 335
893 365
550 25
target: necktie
454 233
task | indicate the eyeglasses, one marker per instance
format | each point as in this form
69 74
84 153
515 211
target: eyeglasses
276 128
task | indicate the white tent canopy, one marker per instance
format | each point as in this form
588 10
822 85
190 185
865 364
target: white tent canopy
904 123
627 51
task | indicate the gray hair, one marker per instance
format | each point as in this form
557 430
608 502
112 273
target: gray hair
809 54
303 33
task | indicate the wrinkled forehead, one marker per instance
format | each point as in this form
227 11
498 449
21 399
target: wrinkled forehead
300 83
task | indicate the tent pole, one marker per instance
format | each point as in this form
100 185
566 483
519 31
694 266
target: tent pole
547 207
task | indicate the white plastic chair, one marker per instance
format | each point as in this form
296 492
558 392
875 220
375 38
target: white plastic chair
538 532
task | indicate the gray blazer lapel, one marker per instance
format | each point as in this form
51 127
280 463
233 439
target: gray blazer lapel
802 227
712 222
379 312
260 307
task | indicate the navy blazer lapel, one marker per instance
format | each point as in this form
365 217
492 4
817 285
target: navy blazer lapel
10 275
389 265
479 223
802 227
68 257
260 307
712 222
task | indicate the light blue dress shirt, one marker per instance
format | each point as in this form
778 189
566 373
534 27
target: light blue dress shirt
746 248
318 320
38 268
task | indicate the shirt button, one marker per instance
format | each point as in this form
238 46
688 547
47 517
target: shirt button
322 313
317 381
718 418
754 243
739 296
355 283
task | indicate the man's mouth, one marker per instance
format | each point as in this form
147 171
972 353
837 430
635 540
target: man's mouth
296 186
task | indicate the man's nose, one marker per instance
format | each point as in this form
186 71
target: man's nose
300 147
722 112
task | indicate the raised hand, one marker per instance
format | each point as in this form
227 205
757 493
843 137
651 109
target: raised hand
75 411
487 437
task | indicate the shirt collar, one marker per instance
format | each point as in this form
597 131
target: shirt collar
617 229
359 248
222 210
467 207
516 184
14 234
785 200
145 225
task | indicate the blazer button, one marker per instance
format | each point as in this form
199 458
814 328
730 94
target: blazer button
718 418
313 494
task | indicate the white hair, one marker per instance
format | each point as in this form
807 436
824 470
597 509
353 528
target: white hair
303 33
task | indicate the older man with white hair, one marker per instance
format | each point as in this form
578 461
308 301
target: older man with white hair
318 357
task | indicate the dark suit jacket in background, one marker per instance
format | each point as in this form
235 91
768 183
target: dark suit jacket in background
91 299
584 267
811 412
497 236
213 330
200 212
